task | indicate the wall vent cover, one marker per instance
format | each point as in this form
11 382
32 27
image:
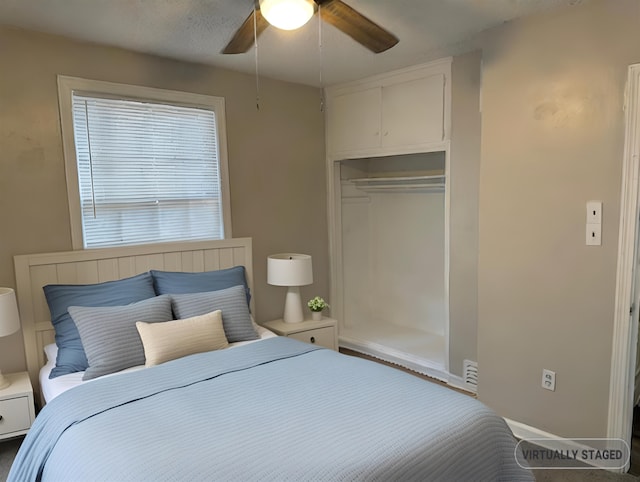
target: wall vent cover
471 374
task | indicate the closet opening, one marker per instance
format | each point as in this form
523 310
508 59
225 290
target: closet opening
394 259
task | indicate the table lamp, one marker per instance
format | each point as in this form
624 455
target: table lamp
291 270
9 321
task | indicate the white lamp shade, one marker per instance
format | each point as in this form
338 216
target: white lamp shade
287 14
292 270
9 318
289 269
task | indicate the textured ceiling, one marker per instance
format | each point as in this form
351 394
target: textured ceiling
197 30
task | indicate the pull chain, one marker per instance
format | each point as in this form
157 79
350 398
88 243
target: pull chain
255 44
320 56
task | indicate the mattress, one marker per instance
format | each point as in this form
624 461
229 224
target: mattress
53 387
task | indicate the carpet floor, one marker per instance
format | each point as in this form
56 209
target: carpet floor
582 476
8 451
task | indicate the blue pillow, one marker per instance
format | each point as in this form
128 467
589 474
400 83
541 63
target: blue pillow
236 318
174 283
71 356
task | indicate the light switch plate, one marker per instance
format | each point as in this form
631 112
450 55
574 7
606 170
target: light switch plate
594 212
594 235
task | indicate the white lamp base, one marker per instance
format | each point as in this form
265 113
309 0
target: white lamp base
293 306
4 382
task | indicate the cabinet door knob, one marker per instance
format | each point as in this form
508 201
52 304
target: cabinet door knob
0 418
312 339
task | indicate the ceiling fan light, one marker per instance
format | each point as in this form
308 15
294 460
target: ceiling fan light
287 14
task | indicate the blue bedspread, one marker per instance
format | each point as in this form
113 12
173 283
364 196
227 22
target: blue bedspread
273 410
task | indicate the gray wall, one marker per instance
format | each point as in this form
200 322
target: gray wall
463 224
276 157
552 139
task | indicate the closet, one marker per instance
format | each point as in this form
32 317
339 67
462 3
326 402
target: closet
388 155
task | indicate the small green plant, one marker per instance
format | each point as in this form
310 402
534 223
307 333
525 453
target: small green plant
317 304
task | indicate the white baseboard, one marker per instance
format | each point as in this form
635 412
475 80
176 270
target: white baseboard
458 382
410 362
524 431
527 432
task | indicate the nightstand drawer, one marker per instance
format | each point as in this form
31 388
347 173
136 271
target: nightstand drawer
319 336
15 415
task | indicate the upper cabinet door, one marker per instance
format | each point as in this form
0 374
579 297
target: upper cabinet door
354 120
413 112
400 112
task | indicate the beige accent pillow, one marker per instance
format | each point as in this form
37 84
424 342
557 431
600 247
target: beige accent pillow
169 340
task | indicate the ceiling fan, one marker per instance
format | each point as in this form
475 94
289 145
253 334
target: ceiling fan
335 12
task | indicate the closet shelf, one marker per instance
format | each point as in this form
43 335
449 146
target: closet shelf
408 183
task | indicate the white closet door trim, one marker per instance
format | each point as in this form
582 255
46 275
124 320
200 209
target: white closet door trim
447 227
625 331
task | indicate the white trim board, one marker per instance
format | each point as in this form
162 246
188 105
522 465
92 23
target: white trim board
625 332
458 382
525 432
67 85
403 361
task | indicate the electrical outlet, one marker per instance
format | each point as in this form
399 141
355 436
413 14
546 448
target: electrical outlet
549 380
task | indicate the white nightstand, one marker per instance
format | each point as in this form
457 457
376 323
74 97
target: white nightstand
17 410
323 332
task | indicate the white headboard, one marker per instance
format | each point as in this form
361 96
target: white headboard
33 271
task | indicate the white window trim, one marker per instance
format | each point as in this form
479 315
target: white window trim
66 87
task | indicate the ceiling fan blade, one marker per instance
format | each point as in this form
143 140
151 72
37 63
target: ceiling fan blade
243 39
356 26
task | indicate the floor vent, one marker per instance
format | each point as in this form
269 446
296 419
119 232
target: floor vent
471 374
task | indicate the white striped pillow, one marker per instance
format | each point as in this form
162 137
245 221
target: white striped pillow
109 335
236 318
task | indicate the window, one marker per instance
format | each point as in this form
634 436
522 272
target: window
143 165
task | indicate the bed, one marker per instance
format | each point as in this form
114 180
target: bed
265 408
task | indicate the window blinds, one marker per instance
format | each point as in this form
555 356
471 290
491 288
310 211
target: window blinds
147 172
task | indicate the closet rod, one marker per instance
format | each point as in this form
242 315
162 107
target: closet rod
387 184
370 180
